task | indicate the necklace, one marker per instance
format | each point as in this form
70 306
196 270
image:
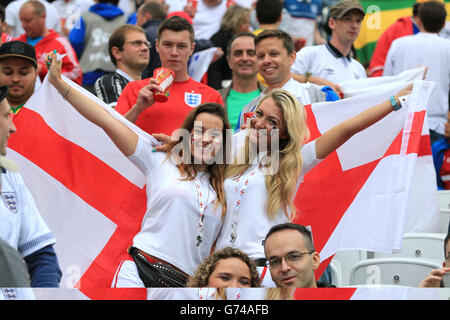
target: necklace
241 192
202 204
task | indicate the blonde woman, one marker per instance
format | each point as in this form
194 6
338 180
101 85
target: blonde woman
260 191
235 20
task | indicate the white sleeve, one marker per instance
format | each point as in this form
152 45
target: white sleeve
301 63
389 63
309 157
34 232
144 158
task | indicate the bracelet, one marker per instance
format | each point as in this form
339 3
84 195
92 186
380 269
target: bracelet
395 105
66 93
308 75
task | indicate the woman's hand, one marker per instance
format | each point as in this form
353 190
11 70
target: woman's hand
404 92
164 139
54 71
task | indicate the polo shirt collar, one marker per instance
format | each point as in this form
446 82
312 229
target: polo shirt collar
335 52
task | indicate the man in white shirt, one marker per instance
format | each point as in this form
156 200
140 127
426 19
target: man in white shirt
428 49
14 25
332 61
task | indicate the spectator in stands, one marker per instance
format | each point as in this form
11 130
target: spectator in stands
427 48
291 256
132 19
331 63
208 16
22 226
18 71
69 11
129 52
275 53
149 17
268 15
4 36
304 20
32 15
90 40
404 26
235 20
175 45
434 278
14 26
441 158
244 87
226 268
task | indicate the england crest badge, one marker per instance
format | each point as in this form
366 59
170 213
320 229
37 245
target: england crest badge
10 200
192 99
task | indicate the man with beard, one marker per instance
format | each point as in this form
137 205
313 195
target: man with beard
18 70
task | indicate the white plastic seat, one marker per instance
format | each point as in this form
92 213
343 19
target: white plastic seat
445 218
406 272
419 245
344 261
336 273
444 199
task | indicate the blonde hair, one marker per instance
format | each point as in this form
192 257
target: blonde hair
282 185
233 17
279 294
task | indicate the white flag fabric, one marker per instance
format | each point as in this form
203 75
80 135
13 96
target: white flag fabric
367 197
199 63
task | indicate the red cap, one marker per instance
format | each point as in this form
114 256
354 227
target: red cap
180 14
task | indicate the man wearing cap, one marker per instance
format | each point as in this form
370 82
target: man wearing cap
22 226
333 60
18 70
32 14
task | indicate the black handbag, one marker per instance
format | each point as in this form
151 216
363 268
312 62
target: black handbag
156 274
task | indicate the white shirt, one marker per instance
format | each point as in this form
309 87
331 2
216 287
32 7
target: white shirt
21 224
425 49
326 62
12 17
253 222
207 20
169 228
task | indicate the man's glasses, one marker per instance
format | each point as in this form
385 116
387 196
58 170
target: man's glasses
290 258
139 43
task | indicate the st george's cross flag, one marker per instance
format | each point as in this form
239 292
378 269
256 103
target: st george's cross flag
93 198
379 184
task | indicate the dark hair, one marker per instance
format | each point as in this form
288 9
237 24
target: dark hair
268 11
288 42
446 242
2 13
113 2
239 35
432 14
293 226
415 9
177 24
155 9
216 171
117 38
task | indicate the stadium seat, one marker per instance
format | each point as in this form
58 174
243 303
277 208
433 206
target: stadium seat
445 218
444 199
406 272
336 273
345 260
419 245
